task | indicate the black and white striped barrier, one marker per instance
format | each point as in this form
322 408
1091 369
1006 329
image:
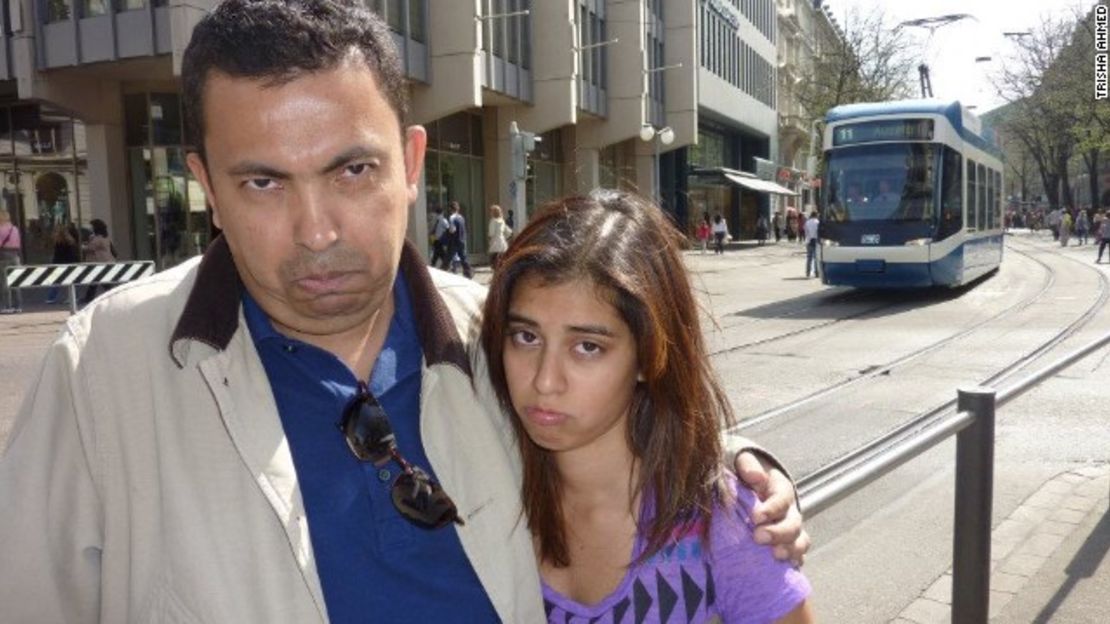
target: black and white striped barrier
74 275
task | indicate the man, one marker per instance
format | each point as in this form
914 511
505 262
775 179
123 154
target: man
812 227
439 236
213 443
457 246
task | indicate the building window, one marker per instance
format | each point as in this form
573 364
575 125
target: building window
130 5
57 11
94 8
417 26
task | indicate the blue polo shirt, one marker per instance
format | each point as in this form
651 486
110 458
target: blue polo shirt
374 565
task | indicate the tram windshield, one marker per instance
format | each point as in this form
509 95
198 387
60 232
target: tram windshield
881 182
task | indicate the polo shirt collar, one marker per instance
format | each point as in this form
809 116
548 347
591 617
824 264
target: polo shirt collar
211 313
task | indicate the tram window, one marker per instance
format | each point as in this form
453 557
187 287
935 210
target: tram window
998 198
980 204
952 192
991 191
972 224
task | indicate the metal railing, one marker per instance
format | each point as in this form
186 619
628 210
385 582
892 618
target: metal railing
973 425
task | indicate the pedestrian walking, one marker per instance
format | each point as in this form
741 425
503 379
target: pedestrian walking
590 382
1054 219
776 224
1103 237
720 232
498 233
179 452
456 249
761 229
703 232
440 238
11 254
812 226
67 250
1081 227
1065 228
98 248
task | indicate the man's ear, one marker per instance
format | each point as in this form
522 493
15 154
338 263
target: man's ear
200 171
416 144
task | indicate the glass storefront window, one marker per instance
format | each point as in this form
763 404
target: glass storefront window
130 5
136 122
453 171
165 118
168 207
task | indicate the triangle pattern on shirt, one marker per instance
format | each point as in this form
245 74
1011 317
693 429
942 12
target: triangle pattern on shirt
620 609
691 594
642 600
667 597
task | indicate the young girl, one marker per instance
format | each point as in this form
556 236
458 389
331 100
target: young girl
703 232
594 344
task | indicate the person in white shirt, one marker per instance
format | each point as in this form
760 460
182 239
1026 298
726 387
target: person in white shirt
811 228
498 234
720 233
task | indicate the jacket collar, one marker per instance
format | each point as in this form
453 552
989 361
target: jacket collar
211 313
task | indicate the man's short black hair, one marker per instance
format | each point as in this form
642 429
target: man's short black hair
280 40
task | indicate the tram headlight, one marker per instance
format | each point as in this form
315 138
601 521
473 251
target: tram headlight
828 242
917 242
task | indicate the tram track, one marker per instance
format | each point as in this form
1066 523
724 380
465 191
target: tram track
886 369
929 417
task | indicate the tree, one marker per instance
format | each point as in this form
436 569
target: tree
1049 82
869 61
1092 130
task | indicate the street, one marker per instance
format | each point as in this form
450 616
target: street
815 372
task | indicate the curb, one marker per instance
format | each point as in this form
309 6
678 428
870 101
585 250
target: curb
1023 542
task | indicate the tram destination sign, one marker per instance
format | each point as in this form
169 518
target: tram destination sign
893 130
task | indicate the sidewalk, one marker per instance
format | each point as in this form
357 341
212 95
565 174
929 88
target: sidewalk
1048 558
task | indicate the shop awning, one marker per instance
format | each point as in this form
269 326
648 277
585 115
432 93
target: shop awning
759 186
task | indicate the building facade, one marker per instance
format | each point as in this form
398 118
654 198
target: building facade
806 29
659 96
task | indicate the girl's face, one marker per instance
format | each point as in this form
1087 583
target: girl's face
570 364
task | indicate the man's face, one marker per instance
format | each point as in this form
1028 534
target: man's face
310 182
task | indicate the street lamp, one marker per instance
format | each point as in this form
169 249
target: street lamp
665 136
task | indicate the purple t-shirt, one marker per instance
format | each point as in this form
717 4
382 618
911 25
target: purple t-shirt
736 580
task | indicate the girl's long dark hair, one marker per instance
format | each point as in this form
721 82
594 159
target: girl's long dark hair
625 245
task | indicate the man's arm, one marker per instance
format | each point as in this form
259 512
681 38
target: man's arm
50 519
778 515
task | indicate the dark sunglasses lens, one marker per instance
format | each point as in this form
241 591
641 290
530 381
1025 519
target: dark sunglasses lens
423 501
367 430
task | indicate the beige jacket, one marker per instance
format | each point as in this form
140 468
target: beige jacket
148 478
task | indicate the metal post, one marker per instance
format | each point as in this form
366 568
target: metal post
971 556
655 174
73 298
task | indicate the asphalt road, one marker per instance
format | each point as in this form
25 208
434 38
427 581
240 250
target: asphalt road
778 338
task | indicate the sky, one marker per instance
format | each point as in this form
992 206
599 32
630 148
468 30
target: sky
952 50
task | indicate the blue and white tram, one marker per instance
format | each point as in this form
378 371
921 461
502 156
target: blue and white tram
912 196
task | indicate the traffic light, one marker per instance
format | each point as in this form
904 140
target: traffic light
523 143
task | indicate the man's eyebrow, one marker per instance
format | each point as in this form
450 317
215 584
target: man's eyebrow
357 152
262 170
255 168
